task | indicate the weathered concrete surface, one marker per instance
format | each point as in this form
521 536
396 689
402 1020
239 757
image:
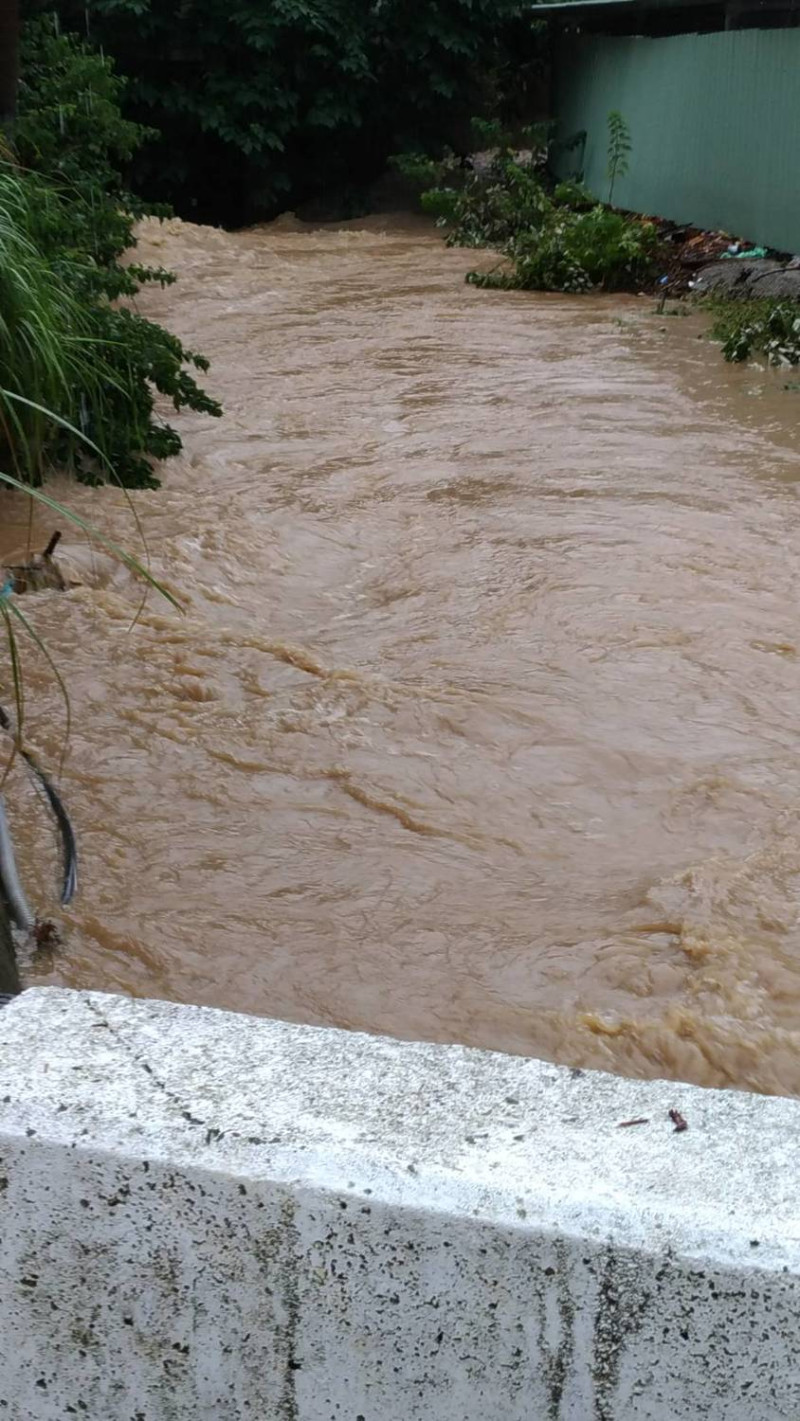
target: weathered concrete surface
784 284
733 277
749 279
213 1217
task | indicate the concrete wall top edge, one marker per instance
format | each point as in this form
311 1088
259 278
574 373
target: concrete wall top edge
436 1127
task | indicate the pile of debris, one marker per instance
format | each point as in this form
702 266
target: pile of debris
38 572
699 263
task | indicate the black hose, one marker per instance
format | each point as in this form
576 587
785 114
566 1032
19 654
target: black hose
69 845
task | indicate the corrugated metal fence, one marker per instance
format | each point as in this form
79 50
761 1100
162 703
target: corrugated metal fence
714 122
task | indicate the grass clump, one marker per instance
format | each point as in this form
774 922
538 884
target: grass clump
44 336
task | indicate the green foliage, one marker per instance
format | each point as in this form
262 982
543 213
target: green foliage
500 195
619 148
265 104
421 169
571 193
70 125
764 327
557 239
615 252
575 251
70 131
65 222
491 207
44 330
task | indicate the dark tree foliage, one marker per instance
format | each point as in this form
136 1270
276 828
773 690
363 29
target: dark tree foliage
263 104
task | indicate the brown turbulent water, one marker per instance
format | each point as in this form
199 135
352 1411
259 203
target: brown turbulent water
483 721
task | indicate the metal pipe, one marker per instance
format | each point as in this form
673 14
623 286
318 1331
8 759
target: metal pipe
10 984
9 878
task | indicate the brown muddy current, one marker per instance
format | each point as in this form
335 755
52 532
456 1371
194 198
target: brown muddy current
482 723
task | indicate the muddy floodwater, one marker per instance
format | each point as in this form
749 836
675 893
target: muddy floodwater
482 723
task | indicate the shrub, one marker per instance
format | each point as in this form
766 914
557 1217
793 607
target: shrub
574 251
70 125
571 193
555 238
70 131
64 347
94 365
538 261
491 207
763 327
488 200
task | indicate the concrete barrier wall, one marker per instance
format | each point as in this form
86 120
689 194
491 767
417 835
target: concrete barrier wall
208 1217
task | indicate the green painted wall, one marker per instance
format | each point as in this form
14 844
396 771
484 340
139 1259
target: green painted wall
714 120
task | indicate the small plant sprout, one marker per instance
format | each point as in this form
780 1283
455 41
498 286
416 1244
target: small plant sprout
619 147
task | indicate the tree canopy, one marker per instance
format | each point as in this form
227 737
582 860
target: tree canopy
262 104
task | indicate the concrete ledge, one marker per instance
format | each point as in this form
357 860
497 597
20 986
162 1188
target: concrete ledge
208 1217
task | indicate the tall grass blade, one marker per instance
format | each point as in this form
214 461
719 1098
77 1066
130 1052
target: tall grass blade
14 611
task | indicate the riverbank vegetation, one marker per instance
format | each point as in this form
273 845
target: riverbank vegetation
765 327
556 236
79 374
243 112
553 236
264 107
